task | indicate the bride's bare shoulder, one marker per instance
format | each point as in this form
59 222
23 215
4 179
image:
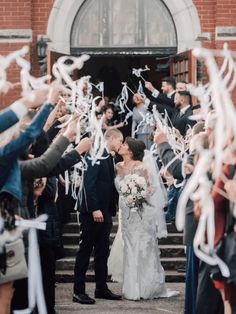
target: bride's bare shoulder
119 165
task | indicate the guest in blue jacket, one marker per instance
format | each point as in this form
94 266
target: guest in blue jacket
20 108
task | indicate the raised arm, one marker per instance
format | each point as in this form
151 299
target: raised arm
166 155
20 108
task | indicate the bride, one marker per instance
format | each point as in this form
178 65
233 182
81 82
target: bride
135 257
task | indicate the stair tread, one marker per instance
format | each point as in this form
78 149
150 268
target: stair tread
166 259
113 233
161 246
69 272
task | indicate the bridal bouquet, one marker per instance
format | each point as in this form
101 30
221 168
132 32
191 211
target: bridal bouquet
135 190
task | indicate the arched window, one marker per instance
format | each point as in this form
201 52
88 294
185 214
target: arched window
123 23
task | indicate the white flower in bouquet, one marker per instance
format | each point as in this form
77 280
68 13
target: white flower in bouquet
141 181
134 190
130 199
123 188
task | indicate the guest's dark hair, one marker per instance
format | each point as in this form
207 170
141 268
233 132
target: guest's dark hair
170 81
137 147
185 94
107 108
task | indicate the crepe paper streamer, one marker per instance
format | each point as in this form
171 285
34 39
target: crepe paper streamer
79 169
67 182
218 95
122 102
99 87
224 108
98 142
141 123
140 89
138 72
26 224
205 251
5 62
66 65
35 287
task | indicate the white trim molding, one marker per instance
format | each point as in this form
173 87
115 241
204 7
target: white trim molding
184 14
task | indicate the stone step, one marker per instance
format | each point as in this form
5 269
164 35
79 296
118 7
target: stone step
73 227
172 238
166 250
68 276
168 263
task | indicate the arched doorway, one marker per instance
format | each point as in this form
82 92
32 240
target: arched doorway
62 17
123 34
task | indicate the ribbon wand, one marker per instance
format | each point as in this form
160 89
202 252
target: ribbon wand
137 72
125 84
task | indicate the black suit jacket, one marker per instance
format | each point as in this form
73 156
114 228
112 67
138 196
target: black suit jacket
99 191
175 168
181 122
165 100
163 103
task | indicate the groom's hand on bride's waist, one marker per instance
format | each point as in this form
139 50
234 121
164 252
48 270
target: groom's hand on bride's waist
98 216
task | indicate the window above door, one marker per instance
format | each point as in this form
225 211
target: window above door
123 23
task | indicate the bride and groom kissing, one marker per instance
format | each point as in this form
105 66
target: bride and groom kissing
135 257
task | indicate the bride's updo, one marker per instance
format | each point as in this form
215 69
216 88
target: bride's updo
137 147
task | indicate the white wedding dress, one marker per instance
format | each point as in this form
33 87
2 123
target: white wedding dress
135 257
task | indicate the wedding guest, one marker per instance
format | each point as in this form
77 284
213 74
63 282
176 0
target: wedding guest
140 129
108 114
168 89
10 180
175 168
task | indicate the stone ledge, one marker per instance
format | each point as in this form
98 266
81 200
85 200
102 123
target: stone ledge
15 35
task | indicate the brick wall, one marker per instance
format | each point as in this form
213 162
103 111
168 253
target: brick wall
33 14
22 14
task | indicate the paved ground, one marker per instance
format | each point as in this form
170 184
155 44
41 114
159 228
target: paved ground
64 305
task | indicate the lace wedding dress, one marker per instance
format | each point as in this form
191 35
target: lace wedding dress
135 256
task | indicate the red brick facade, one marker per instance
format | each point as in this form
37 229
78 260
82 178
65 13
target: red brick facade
33 14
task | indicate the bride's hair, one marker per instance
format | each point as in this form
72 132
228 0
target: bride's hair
137 147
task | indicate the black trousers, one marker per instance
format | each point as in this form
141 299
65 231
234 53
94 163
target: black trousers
48 265
92 235
209 300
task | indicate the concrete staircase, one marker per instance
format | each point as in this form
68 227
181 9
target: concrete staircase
172 253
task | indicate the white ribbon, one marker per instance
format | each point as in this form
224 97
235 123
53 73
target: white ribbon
35 287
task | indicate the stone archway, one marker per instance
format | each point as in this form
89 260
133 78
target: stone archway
184 14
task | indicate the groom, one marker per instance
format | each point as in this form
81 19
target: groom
96 211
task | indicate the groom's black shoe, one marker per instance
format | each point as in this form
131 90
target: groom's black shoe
82 298
106 294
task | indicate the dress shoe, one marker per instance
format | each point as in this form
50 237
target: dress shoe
82 298
106 294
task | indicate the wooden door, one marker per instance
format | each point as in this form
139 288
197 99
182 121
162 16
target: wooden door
183 67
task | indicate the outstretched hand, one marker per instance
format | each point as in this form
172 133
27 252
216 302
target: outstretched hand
149 86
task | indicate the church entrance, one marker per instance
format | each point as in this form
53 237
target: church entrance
120 35
113 70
